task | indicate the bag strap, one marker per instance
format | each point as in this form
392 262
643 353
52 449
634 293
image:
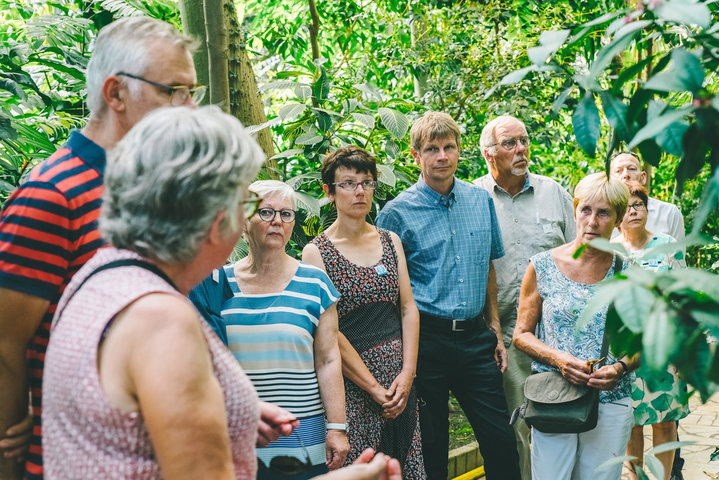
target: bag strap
618 266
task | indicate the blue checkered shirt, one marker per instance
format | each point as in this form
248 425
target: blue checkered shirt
449 241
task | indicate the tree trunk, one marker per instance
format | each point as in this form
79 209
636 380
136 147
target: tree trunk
417 31
245 101
216 34
193 24
314 30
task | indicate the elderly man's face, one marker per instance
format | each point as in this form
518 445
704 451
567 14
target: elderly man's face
626 168
509 161
169 64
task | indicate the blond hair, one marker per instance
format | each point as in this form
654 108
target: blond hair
433 126
597 186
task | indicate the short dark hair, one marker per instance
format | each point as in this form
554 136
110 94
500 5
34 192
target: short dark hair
636 189
350 156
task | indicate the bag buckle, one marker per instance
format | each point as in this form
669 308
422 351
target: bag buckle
457 324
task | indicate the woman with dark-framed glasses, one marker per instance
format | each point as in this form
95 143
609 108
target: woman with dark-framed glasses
279 319
378 320
661 408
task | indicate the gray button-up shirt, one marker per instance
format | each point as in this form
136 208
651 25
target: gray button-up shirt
538 218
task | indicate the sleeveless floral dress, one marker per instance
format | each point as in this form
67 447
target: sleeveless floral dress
369 316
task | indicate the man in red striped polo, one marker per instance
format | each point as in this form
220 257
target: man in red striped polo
48 227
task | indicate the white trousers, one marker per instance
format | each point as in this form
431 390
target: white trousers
575 456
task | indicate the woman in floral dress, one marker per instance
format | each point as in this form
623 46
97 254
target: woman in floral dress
378 320
663 407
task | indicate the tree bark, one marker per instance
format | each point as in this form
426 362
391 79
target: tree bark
193 24
245 101
314 30
417 30
217 46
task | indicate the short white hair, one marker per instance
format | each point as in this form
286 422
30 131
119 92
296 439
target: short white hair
271 188
487 139
171 175
122 46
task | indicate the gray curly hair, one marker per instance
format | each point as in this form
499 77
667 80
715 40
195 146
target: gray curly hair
171 175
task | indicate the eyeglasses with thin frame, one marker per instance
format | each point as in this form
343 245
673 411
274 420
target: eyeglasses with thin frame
351 185
179 94
250 205
637 207
287 465
511 143
268 214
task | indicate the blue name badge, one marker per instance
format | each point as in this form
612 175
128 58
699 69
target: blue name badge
380 269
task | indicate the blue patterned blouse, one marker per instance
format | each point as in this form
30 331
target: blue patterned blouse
563 301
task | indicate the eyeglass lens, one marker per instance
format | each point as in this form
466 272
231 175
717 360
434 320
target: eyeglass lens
511 143
352 185
268 214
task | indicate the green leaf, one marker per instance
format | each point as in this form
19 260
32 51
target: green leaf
614 461
659 336
633 306
685 74
670 139
586 27
13 87
562 99
619 43
366 120
653 129
715 100
6 130
666 447
586 124
303 92
616 112
386 175
549 42
290 73
688 13
287 153
279 85
308 203
309 139
369 90
291 111
607 291
714 455
397 123
321 88
392 149
654 465
269 123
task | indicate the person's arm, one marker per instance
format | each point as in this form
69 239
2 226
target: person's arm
155 355
401 386
606 377
491 316
20 316
352 365
328 365
274 421
368 466
530 311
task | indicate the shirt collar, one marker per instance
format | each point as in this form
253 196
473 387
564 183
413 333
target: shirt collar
528 183
90 152
434 197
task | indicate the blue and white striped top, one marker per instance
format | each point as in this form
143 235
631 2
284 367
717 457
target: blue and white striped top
272 336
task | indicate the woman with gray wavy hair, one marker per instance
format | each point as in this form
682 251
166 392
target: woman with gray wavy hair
136 384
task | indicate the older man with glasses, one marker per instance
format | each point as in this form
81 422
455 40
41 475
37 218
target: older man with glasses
48 228
535 214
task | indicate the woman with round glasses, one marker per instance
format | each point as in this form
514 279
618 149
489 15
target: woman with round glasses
280 321
662 408
379 322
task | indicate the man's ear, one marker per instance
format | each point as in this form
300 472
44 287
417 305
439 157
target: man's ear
114 93
415 155
644 177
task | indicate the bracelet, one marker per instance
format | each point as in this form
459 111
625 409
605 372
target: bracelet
624 366
337 426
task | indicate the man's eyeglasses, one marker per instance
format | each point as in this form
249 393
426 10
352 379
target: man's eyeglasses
287 465
268 214
637 207
179 94
511 143
351 185
249 206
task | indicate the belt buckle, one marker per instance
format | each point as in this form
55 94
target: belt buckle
455 327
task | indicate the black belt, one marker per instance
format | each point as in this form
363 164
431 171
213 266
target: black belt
431 323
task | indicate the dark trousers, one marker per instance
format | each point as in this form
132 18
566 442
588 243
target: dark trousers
463 362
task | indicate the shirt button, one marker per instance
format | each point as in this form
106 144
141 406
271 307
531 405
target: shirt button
457 257
517 242
454 232
461 280
464 303
516 220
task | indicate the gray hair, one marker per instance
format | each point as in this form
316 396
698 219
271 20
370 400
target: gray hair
171 175
487 138
271 188
122 46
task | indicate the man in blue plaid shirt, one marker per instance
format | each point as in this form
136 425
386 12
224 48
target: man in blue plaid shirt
450 235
